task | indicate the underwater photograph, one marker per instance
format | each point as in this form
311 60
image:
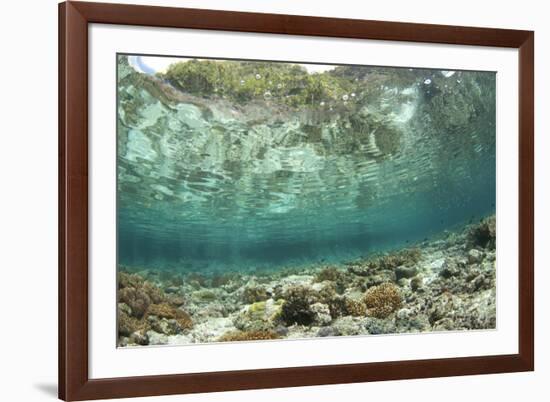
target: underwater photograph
263 200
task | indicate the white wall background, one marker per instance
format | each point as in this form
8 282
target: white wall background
28 202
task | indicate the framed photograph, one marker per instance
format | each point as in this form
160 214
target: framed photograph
259 200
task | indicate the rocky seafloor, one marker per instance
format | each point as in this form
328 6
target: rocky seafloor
446 283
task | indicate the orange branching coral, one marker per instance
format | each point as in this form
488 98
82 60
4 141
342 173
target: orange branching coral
165 310
382 300
356 308
236 336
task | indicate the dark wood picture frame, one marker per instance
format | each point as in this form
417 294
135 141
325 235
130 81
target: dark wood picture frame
74 382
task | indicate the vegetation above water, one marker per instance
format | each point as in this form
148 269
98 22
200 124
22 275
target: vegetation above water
243 81
200 137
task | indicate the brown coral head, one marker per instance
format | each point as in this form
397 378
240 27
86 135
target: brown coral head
297 306
484 233
382 300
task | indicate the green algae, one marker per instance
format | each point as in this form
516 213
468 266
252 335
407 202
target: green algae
244 81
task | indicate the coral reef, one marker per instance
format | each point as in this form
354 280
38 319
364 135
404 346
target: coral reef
405 257
382 300
388 267
334 275
254 293
259 316
236 336
269 201
137 299
331 274
447 283
145 310
355 308
127 324
297 306
484 234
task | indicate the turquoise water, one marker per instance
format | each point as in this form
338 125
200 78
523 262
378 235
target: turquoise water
210 182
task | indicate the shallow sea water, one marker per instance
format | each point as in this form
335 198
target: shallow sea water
261 200
208 184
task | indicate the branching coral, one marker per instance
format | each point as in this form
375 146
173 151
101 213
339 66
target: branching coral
137 293
334 275
356 308
383 268
341 306
165 310
140 302
405 257
237 336
185 321
382 300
